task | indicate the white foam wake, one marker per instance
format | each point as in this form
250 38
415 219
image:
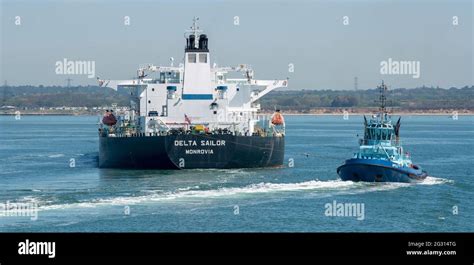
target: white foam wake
56 155
434 181
347 187
220 192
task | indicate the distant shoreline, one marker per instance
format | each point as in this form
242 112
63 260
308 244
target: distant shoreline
459 113
333 113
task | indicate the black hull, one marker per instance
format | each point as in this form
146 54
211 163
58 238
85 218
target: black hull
191 151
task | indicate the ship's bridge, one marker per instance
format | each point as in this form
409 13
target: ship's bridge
380 140
160 74
379 132
196 93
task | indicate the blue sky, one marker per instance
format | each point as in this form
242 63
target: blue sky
272 34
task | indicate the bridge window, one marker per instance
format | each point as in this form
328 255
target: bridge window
169 77
203 58
192 58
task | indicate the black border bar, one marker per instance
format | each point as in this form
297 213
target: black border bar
118 245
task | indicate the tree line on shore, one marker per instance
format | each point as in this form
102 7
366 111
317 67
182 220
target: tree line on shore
287 100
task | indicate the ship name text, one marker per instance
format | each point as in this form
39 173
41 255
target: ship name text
199 143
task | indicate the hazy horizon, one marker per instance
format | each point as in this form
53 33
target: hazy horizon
280 89
311 35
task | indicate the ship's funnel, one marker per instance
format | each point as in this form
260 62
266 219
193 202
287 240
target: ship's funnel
203 42
190 41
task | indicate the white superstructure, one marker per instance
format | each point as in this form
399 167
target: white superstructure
194 93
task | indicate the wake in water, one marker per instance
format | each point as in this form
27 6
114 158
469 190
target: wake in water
435 181
316 186
56 155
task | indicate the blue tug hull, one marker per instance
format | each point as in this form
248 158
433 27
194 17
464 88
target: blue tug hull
372 170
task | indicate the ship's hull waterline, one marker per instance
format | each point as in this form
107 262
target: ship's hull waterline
190 151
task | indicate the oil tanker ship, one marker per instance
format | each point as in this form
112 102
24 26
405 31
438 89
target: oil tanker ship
192 116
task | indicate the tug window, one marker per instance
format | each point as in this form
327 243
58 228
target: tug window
192 58
386 134
203 58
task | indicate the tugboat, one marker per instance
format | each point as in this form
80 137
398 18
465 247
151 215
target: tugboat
192 116
381 157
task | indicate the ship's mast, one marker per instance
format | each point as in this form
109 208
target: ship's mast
382 100
195 31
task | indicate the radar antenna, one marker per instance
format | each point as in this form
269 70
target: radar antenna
382 98
194 30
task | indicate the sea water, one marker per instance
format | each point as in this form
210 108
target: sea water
50 164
